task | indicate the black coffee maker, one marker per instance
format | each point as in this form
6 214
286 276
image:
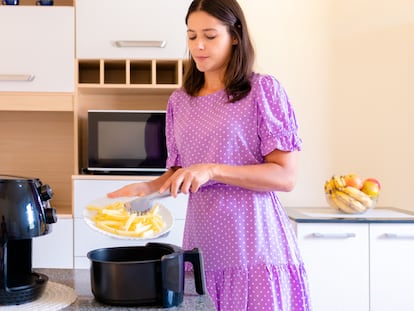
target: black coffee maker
25 213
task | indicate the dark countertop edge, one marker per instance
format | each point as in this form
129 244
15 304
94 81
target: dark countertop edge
359 218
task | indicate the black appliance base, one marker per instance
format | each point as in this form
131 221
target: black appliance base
25 292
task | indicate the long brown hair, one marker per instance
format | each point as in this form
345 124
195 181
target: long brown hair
240 66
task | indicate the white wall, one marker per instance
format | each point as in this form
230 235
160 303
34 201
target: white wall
347 68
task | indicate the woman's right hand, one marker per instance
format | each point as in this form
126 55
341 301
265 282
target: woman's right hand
135 189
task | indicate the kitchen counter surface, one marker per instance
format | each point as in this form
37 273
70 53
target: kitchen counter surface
329 215
79 279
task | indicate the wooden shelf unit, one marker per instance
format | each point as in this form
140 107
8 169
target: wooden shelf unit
121 85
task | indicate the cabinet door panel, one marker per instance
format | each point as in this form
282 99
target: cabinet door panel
37 49
55 250
336 258
103 25
391 268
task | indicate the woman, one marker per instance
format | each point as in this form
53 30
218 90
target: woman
232 143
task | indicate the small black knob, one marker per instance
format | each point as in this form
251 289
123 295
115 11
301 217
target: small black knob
51 216
45 192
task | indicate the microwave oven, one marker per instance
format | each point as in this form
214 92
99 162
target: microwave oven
126 141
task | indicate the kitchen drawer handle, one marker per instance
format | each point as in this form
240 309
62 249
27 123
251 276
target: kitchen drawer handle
345 235
16 77
397 236
140 44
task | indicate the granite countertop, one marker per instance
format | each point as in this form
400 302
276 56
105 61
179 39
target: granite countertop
79 279
329 215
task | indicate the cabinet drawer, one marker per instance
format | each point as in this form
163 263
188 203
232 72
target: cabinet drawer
86 239
134 30
37 49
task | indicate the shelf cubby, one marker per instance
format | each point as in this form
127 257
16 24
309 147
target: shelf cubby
167 72
140 72
114 72
130 73
89 71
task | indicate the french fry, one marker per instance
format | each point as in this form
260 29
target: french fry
115 219
93 208
128 223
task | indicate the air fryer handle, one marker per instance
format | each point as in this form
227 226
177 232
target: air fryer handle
196 258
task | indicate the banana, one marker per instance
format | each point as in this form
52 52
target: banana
338 181
343 207
350 202
331 202
358 195
332 183
328 186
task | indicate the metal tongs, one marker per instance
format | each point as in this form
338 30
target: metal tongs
144 204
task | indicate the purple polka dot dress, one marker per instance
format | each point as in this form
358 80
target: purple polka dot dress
251 257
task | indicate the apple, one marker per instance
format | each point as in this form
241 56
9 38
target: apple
371 187
375 181
353 180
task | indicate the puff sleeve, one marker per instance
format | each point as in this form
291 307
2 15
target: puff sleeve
277 125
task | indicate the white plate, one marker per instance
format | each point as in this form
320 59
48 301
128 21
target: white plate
102 202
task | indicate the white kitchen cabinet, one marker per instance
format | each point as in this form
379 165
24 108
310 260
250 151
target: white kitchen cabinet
357 262
131 29
37 49
337 261
55 250
89 188
391 267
